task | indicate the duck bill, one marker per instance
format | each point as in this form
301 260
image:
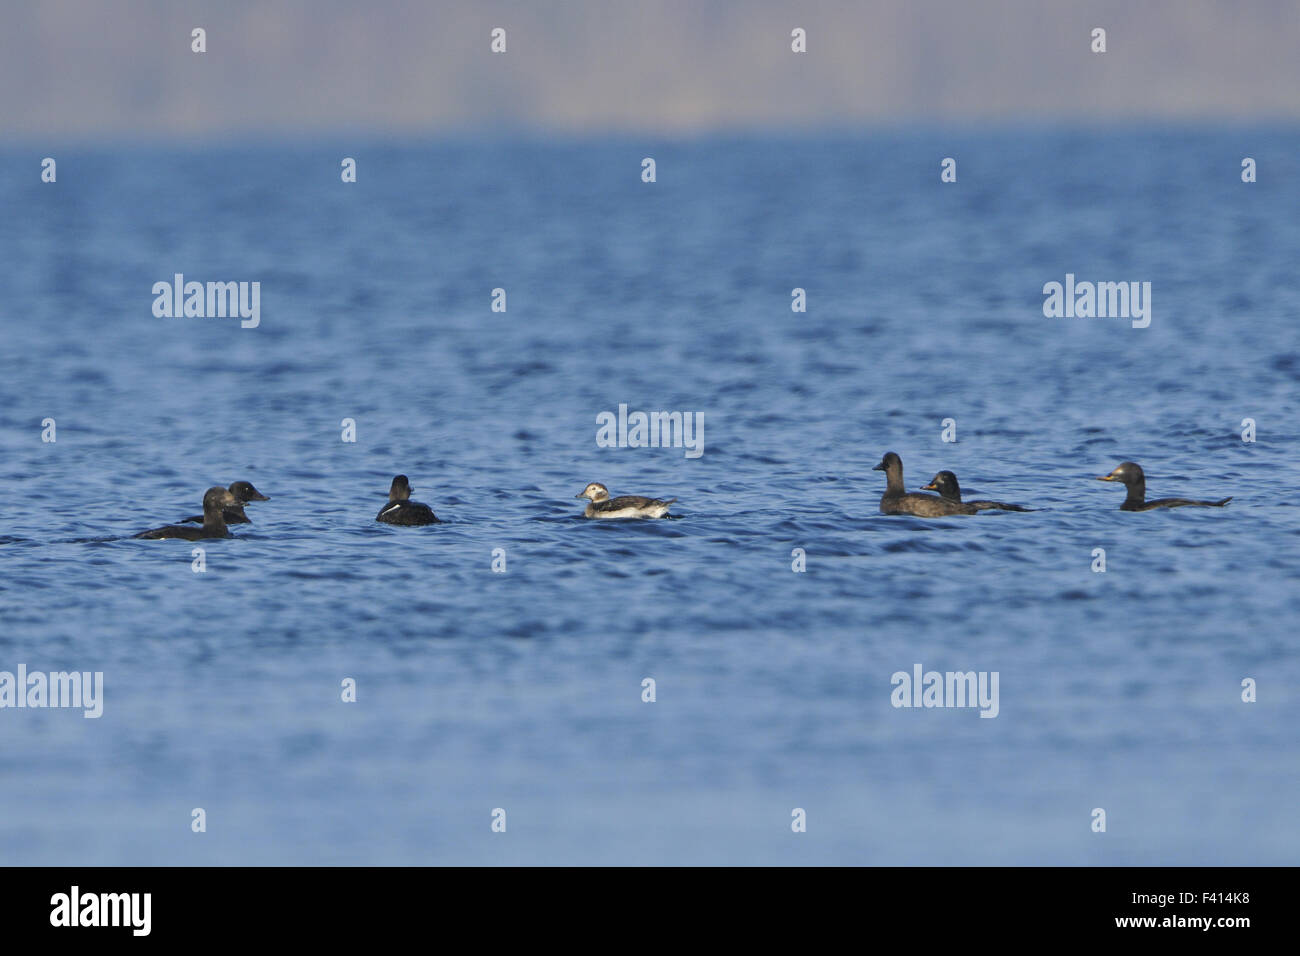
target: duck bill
930 487
1105 477
879 467
579 496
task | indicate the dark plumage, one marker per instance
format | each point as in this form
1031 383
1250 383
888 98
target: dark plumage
401 510
243 491
1130 474
898 501
214 524
234 514
945 482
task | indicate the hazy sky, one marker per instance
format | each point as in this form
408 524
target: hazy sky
89 68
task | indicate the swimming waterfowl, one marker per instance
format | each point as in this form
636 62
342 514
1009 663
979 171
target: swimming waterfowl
625 506
215 500
401 510
945 482
1130 474
243 492
898 501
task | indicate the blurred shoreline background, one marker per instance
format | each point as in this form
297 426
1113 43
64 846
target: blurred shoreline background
123 69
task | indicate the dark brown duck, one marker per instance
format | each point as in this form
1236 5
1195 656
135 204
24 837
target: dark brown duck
401 509
215 500
243 492
898 501
945 482
1130 474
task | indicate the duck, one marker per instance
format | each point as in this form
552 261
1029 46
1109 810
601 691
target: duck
243 492
401 510
625 506
215 501
945 482
898 501
1131 476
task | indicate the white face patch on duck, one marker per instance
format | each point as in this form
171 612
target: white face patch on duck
595 491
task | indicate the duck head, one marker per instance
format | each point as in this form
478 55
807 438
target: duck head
594 491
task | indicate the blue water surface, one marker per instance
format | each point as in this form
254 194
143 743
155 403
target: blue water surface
522 690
